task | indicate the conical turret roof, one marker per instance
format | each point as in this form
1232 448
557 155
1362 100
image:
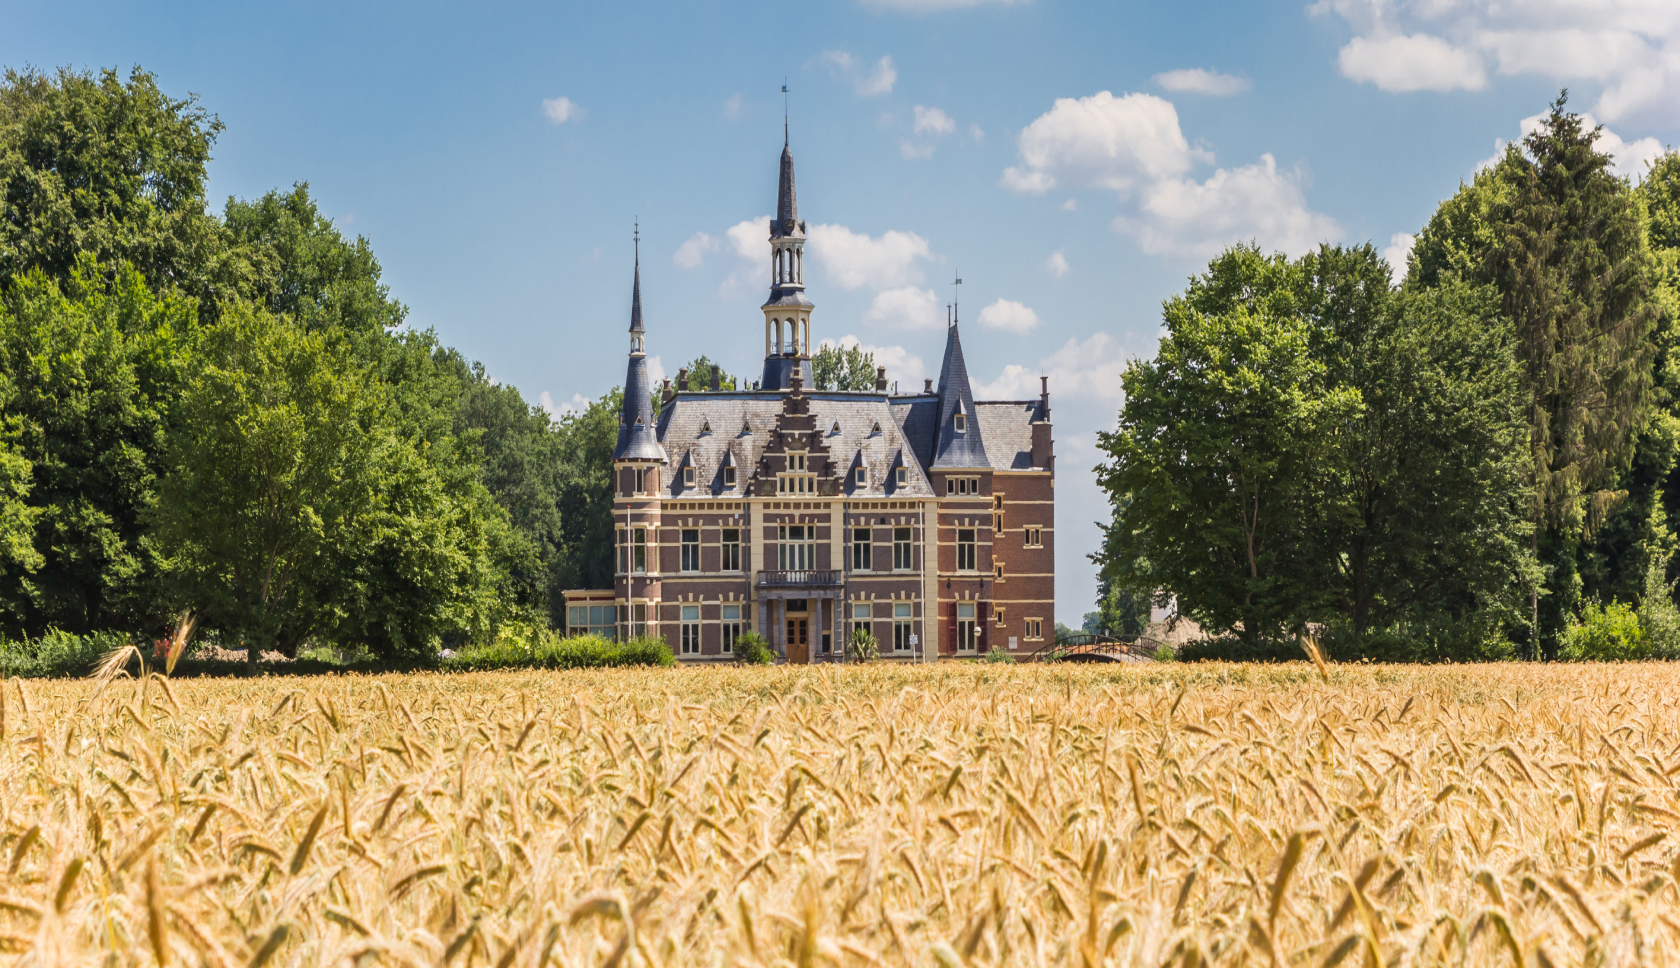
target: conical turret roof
953 448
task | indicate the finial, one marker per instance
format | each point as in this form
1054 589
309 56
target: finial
954 299
784 113
636 236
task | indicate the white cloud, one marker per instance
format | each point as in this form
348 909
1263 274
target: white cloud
1195 80
1105 141
933 121
1133 146
562 109
732 107
1057 264
1087 371
693 252
1071 205
1627 48
876 79
1631 157
913 151
1009 315
1411 62
853 259
975 132
749 240
906 307
577 404
1397 252
903 366
1198 219
656 371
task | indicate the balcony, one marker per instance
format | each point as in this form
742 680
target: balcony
800 579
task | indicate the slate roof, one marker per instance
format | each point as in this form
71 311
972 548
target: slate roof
637 437
1007 426
701 428
952 449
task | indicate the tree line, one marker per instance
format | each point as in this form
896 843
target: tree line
1458 465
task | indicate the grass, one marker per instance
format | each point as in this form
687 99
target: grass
969 814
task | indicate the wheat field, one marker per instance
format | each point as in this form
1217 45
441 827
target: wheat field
975 815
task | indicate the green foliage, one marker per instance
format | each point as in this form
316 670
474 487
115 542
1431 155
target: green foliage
1605 633
96 170
752 649
843 368
700 376
550 651
56 654
862 647
999 657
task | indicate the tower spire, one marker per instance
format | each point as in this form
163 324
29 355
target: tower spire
636 292
787 313
784 113
638 438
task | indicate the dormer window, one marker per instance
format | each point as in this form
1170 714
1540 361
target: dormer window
961 422
875 431
688 476
729 477
861 476
903 476
836 430
705 427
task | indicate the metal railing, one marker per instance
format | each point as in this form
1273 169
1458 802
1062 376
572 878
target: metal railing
1090 647
799 579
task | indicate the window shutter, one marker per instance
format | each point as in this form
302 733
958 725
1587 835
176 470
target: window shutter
983 615
950 643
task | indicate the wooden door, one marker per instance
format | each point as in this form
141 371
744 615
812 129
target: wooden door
798 640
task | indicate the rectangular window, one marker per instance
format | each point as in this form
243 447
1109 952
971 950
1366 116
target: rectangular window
965 549
796 547
1000 618
729 477
901 549
688 477
731 626
603 621
690 630
577 619
861 477
901 626
1035 628
639 624
997 570
962 486
691 549
731 549
641 481
968 635
863 617
961 423
1032 537
997 523
623 551
638 551
997 502
901 476
862 549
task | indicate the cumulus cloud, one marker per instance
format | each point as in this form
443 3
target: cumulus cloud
868 81
693 252
748 239
577 404
1134 147
914 151
1086 370
1397 252
854 259
732 107
903 366
1009 315
1057 264
559 110
933 121
906 307
1195 80
1631 158
1626 47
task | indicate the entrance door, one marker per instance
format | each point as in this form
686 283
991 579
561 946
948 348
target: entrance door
798 640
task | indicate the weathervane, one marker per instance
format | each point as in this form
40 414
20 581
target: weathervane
954 300
784 113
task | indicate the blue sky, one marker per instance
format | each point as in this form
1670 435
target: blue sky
1075 162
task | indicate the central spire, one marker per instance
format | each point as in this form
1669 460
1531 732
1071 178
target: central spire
787 314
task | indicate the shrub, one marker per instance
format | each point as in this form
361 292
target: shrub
751 649
1436 638
1606 633
57 654
863 646
552 652
1165 653
1001 656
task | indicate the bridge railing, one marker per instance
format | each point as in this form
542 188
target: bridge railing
1089 643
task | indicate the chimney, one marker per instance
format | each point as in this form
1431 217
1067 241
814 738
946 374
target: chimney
880 378
665 393
682 379
717 378
927 384
1043 444
1044 399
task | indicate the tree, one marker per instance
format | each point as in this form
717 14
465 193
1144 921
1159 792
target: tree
1220 445
92 167
91 379
295 509
1562 240
843 367
700 375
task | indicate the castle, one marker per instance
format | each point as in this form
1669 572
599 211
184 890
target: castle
805 514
